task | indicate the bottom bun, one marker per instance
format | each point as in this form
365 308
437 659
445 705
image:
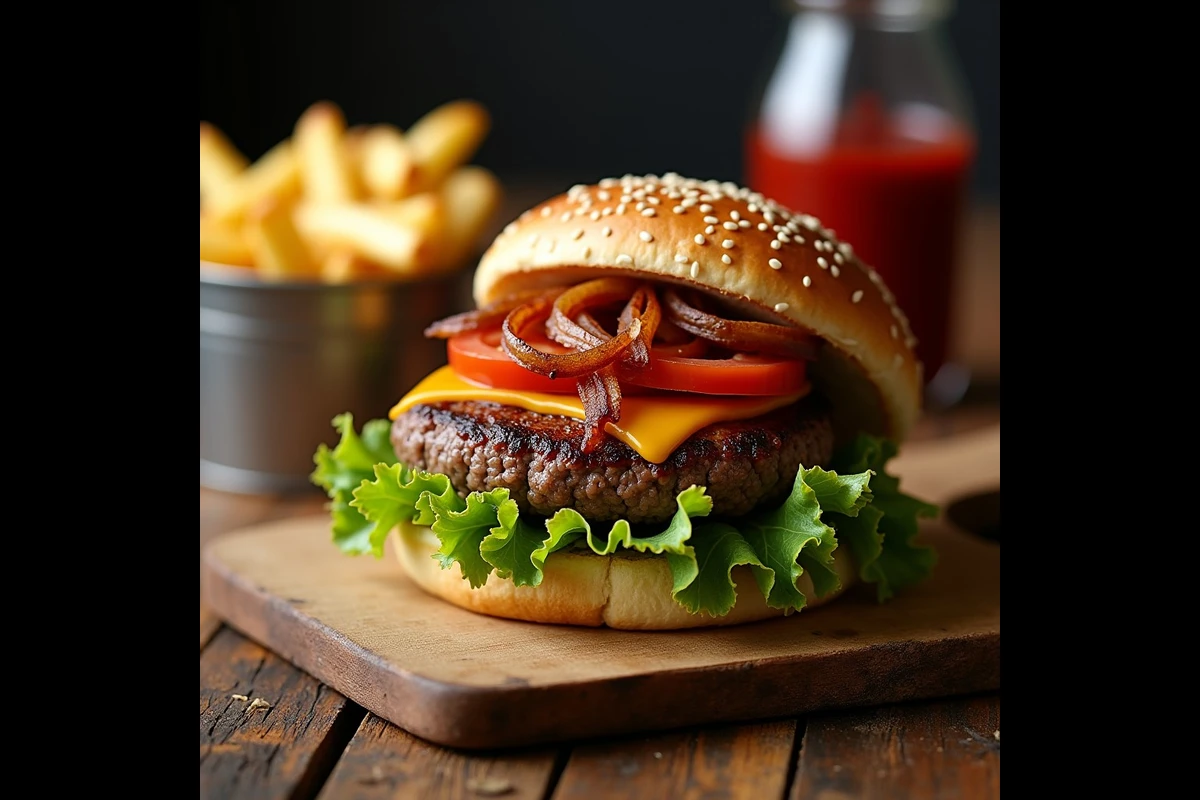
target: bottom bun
628 590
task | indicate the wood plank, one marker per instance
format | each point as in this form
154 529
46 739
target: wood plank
284 749
946 749
385 761
736 762
209 624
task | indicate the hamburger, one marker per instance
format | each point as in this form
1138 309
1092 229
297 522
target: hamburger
672 407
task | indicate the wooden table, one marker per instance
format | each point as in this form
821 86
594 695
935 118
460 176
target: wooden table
313 741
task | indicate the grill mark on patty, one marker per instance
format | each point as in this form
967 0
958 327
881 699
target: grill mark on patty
538 458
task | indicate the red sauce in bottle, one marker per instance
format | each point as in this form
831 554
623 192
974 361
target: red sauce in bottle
897 200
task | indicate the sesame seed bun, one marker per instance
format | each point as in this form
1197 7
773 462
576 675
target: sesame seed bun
773 264
626 590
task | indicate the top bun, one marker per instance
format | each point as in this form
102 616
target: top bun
771 263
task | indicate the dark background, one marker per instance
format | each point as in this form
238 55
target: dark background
578 90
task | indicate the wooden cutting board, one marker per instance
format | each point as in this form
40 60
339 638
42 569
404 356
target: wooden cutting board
466 680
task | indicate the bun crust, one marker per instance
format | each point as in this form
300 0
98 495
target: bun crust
783 267
630 592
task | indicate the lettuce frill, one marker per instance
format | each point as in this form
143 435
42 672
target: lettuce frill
856 504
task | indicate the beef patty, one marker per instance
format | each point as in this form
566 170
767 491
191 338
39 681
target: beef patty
537 457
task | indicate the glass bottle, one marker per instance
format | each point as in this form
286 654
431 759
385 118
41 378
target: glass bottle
864 123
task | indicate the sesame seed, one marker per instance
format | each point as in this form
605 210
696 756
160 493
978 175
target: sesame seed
727 244
604 212
897 361
710 230
822 263
698 239
775 263
734 215
648 212
895 332
858 295
783 236
595 215
838 258
653 201
705 207
725 257
566 217
834 271
545 211
620 208
695 269
510 228
603 195
587 252
533 239
769 217
707 197
762 226
577 235
775 245
752 208
799 239
607 231
729 226
743 223
624 259
674 194
687 202
550 243
781 307
807 281
678 209
846 249
680 258
640 205
626 198
711 220
645 236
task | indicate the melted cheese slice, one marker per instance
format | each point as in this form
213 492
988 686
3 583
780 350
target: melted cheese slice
653 425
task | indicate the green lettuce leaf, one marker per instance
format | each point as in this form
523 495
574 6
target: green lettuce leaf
881 536
462 527
857 504
397 495
793 538
718 548
510 546
341 470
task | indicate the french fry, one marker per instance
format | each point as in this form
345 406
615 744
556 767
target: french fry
445 138
324 162
367 231
276 174
222 243
385 162
279 252
424 212
470 197
220 161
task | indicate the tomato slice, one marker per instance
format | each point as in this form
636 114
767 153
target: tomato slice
478 357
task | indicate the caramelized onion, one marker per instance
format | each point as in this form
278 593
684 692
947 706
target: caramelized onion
488 316
744 335
564 365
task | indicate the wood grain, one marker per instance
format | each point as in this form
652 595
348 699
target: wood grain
383 761
738 762
946 750
210 623
281 750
